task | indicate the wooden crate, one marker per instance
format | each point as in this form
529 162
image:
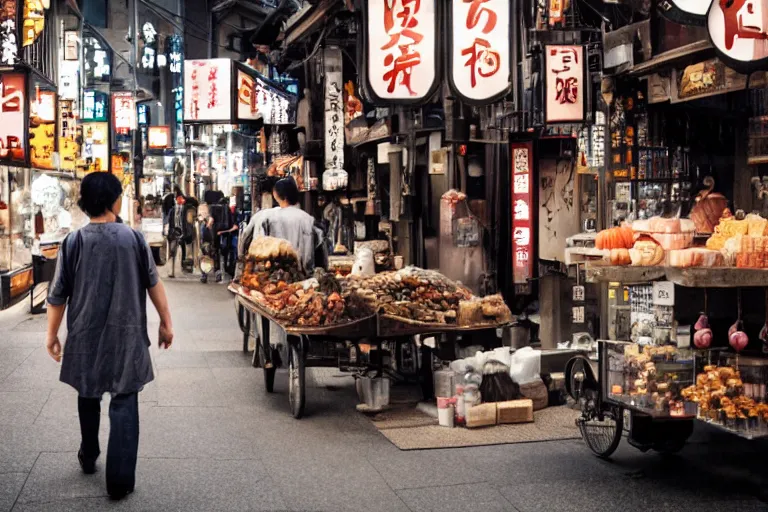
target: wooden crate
514 411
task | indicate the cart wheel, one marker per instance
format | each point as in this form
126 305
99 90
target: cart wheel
269 373
296 380
602 436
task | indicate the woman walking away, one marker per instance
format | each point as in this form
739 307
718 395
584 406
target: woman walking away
103 274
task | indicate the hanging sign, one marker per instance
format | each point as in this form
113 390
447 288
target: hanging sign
257 99
685 12
522 197
97 60
94 106
69 148
12 110
123 112
479 49
34 20
42 128
208 86
565 85
401 57
175 58
149 51
738 30
159 137
9 43
334 176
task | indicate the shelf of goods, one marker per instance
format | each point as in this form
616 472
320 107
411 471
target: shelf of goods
715 277
659 382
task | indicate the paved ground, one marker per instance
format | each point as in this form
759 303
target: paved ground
213 440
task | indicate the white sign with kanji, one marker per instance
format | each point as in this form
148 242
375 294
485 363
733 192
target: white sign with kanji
402 48
480 58
565 84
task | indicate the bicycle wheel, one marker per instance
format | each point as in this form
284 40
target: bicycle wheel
602 436
296 380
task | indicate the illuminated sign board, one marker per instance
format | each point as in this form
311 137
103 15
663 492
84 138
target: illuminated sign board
565 86
42 128
9 43
400 50
159 137
97 60
258 99
12 109
208 90
95 106
479 55
123 112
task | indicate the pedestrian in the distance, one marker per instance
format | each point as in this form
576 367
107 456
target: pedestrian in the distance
103 274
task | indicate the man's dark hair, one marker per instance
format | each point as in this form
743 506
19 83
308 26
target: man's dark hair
98 192
177 191
287 190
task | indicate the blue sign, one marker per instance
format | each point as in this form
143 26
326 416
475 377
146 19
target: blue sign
176 68
95 107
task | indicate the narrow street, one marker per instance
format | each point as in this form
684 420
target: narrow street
212 439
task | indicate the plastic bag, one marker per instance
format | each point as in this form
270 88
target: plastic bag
525 365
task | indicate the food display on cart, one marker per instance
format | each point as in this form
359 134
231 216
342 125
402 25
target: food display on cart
273 278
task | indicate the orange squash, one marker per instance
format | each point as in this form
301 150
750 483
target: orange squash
615 238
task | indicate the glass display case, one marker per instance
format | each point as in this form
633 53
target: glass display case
648 379
15 219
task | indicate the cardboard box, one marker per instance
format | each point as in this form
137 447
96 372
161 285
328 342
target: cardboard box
514 411
482 415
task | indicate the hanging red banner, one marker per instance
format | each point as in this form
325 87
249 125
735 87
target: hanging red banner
400 58
522 223
479 49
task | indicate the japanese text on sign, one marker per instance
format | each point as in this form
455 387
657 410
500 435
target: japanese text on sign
12 109
739 32
522 244
480 48
565 83
401 48
207 90
124 112
9 46
334 176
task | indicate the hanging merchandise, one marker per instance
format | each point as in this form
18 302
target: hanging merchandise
400 50
334 177
479 50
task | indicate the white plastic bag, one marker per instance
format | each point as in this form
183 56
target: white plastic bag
525 365
364 264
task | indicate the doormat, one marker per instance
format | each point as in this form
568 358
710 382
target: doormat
410 429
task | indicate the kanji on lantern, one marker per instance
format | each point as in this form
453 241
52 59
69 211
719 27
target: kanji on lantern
482 60
401 65
476 11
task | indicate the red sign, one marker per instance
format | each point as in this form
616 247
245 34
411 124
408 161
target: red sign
123 112
480 49
12 111
522 225
401 50
565 85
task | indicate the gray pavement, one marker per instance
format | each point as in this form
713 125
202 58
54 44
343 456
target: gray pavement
213 440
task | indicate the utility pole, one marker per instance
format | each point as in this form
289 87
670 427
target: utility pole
135 156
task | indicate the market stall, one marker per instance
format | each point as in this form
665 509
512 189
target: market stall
363 324
689 316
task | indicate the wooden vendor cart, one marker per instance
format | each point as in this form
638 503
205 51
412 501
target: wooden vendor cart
329 346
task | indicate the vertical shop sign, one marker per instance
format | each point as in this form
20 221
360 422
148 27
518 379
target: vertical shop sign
94 106
98 64
565 86
334 177
522 198
738 30
479 52
123 112
42 128
34 20
401 57
177 87
12 109
9 43
208 90
149 52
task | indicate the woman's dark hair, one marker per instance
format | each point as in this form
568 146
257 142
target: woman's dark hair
98 192
287 190
177 191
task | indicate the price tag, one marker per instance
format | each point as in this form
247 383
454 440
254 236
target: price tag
578 294
663 293
578 314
